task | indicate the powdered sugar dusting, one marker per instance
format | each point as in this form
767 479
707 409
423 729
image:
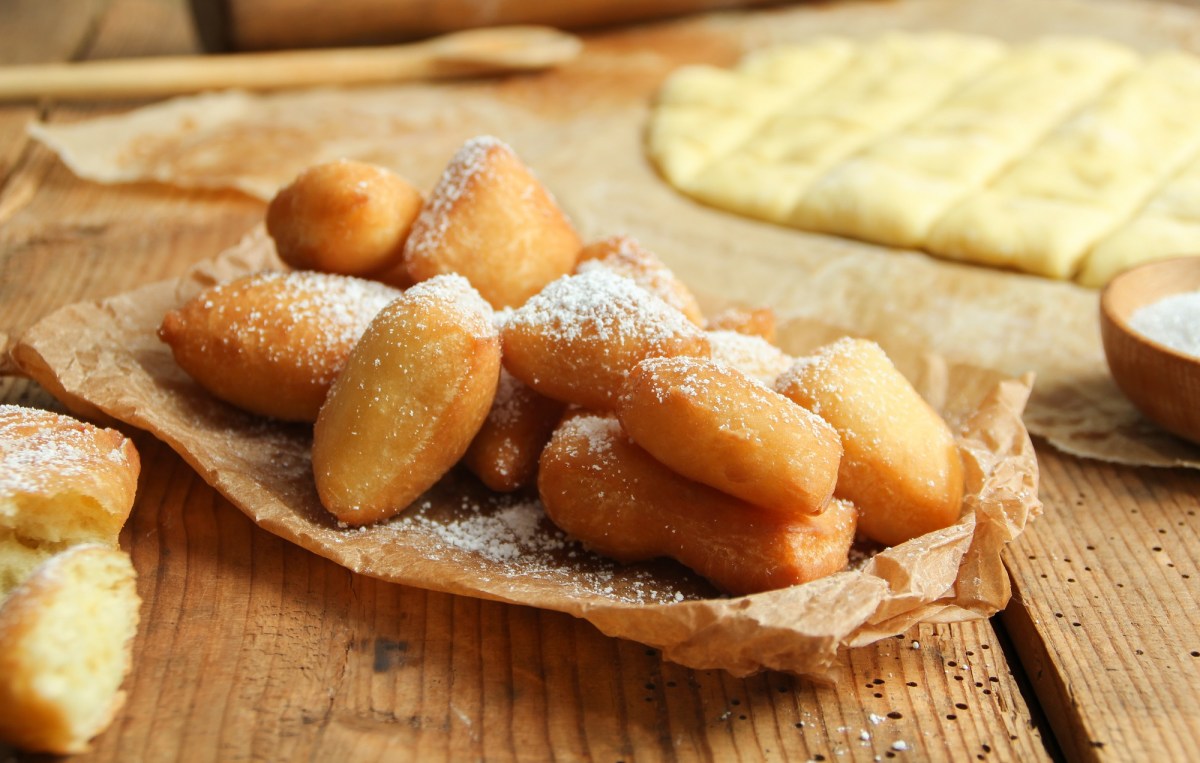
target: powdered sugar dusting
469 163
511 536
506 535
457 290
40 449
599 431
750 354
302 318
626 257
601 306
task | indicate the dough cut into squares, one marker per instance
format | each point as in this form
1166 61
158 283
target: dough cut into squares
1168 226
1091 173
703 112
896 189
889 83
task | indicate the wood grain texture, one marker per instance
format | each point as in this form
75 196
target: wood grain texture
1105 616
252 649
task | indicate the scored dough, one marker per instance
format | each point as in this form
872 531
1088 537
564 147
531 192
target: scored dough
1169 226
896 189
1085 179
884 85
703 112
1026 157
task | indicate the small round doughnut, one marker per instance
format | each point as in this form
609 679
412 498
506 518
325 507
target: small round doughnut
577 339
758 321
490 219
343 217
272 343
901 465
600 487
66 641
413 394
750 354
714 424
626 257
62 482
504 455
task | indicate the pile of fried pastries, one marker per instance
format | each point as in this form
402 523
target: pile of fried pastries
475 327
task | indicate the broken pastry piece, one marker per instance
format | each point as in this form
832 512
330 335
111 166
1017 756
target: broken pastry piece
66 640
272 343
901 465
577 339
68 599
603 489
62 482
413 394
344 217
491 221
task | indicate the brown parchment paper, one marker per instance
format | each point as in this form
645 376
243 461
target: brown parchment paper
104 359
580 128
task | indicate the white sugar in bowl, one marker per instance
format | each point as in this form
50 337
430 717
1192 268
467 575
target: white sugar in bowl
1150 326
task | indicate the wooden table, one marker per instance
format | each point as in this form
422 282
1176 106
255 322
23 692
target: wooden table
252 648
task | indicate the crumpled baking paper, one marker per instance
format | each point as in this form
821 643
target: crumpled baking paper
103 359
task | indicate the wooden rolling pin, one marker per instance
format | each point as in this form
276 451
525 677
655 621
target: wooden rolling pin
277 24
468 53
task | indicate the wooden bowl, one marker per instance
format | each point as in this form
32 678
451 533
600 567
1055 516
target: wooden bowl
1162 383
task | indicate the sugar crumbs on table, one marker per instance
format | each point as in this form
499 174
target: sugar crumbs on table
1173 321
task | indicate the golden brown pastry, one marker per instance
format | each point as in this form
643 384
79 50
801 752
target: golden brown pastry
343 217
757 321
901 466
490 220
414 392
624 256
62 482
713 424
578 338
66 639
68 602
271 343
600 487
504 454
750 354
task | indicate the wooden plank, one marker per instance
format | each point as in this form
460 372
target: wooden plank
252 648
1106 619
47 31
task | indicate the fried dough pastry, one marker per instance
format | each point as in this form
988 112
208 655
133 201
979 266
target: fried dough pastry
901 466
490 220
750 354
66 640
577 339
62 482
413 394
66 489
624 256
504 454
714 424
343 217
600 487
272 343
757 321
